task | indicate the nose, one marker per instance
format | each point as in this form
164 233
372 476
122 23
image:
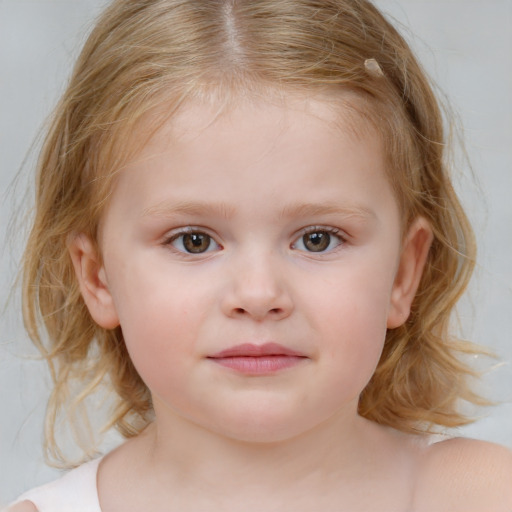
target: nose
258 290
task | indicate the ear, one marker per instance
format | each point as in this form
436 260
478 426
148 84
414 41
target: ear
414 254
92 280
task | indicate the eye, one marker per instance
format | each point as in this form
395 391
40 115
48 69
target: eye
319 240
192 242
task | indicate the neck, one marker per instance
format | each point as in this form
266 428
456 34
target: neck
339 449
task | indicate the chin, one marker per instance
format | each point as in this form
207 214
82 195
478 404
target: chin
263 427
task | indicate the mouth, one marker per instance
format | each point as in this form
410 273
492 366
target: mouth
252 359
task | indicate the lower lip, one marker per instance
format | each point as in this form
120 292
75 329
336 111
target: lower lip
260 365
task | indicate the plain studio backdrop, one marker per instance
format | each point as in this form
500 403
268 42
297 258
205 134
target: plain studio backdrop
465 45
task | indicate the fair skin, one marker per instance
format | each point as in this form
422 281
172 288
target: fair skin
269 223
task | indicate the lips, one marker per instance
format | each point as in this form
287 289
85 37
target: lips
258 359
250 350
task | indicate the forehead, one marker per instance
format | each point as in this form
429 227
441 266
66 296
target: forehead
345 112
302 147
243 129
255 167
167 122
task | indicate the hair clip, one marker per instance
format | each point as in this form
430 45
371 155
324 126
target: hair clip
373 68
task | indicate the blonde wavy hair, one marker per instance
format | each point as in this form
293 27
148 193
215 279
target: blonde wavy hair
148 56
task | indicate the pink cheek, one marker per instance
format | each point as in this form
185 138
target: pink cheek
156 361
356 326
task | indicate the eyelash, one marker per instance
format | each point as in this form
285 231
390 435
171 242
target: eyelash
178 236
330 231
191 231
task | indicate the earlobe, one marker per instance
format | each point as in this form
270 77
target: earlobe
92 280
410 269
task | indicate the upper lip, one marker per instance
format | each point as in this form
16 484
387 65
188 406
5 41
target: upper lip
252 350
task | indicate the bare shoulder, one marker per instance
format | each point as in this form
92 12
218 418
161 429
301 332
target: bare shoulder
23 506
466 475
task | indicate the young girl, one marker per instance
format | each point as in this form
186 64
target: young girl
246 228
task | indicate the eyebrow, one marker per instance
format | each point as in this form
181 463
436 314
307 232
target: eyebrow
318 209
168 209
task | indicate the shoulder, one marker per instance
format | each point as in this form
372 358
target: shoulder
465 474
22 506
75 490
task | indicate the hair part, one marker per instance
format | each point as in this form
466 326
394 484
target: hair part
147 58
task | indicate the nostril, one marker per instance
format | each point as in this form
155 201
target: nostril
272 312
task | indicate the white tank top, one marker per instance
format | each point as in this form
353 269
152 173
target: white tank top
75 491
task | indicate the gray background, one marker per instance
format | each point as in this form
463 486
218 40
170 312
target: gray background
465 45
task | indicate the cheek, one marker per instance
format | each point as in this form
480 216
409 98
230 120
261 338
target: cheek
357 328
159 317
151 294
355 299
352 318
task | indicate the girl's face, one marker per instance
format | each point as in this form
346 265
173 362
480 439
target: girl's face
254 261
